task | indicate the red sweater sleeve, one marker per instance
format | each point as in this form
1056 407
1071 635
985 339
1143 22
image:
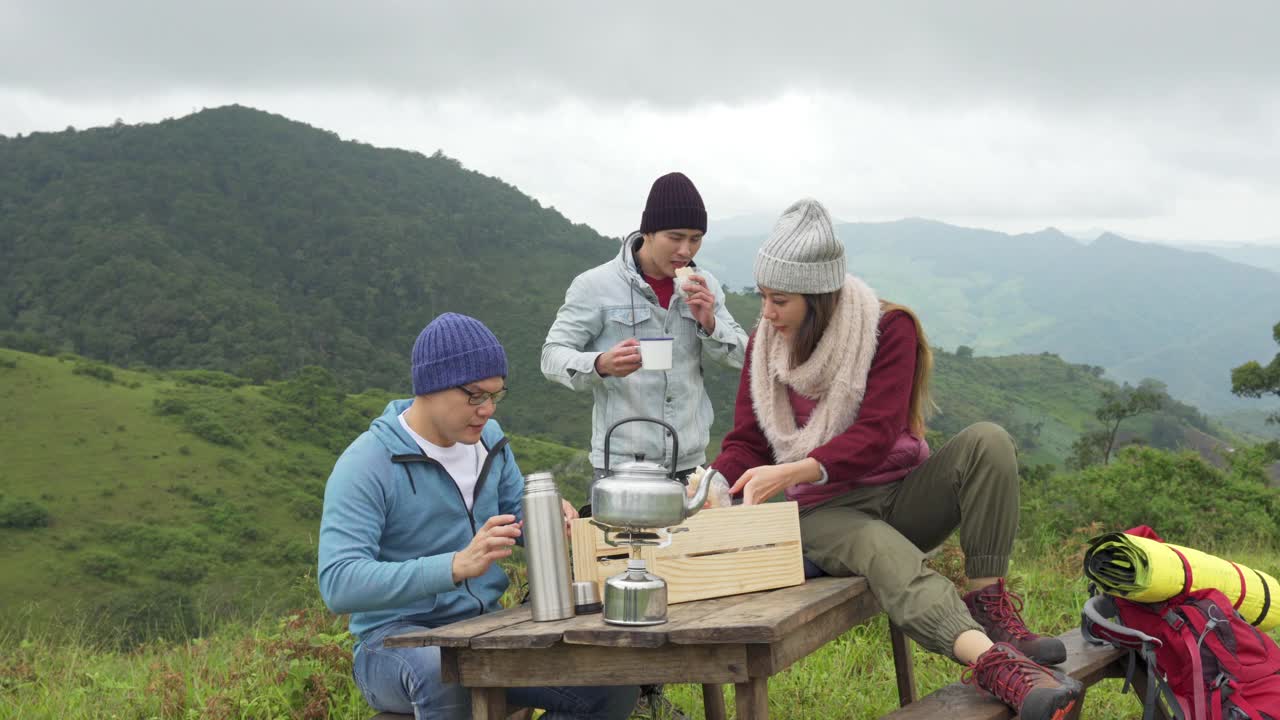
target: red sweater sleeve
745 446
882 417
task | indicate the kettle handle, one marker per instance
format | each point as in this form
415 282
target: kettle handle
675 442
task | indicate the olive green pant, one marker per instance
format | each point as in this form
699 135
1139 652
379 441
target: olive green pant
883 531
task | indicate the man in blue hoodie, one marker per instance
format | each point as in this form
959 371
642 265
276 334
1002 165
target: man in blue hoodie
417 513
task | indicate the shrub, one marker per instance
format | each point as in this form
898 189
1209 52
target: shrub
23 515
8 363
209 378
304 507
314 410
181 567
143 614
292 552
1184 498
104 565
171 406
95 370
208 427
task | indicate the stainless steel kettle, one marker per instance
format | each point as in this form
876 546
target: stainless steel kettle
644 494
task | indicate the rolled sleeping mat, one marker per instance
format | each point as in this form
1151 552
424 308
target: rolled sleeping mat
1144 570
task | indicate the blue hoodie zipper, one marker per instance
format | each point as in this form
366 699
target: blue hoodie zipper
492 452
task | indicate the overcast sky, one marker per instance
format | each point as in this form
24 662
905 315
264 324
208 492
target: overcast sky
1157 119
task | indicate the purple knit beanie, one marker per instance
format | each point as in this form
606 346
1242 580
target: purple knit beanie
455 350
674 203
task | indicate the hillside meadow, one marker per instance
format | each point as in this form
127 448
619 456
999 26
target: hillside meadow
153 500
297 664
157 536
137 504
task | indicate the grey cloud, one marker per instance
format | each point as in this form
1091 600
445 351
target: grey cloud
664 53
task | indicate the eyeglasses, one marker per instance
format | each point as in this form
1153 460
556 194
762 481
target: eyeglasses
477 397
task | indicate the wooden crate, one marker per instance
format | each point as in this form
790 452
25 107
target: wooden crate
727 551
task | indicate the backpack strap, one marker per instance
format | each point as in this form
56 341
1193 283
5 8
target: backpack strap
1244 587
1097 629
1266 600
1153 685
1186 570
1238 707
1197 669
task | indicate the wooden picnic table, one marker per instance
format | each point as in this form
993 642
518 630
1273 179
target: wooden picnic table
740 639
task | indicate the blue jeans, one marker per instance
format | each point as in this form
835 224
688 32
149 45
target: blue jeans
407 680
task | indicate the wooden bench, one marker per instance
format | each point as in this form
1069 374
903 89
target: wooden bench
740 639
957 701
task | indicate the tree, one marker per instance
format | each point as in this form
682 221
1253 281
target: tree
1087 450
1117 406
261 368
1253 380
964 351
1120 405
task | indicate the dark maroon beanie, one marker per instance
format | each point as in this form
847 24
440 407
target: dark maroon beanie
674 203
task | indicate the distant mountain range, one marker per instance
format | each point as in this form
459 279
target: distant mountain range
1137 309
238 240
1262 256
1264 253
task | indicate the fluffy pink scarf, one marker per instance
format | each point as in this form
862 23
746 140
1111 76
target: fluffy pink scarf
835 375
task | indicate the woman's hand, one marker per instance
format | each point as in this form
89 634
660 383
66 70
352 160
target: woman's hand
570 514
760 483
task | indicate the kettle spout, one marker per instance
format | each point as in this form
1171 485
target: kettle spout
700 495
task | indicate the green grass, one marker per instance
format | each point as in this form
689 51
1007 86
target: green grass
298 664
168 518
139 510
172 497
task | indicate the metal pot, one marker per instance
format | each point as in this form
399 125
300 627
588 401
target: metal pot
644 494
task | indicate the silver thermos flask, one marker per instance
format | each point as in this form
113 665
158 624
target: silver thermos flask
547 549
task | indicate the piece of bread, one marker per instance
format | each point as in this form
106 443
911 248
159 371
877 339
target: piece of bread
683 272
695 477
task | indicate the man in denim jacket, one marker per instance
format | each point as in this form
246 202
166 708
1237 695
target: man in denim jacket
594 342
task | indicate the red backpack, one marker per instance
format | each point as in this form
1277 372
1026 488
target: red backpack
1203 661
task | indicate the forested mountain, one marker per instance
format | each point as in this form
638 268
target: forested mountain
237 240
1137 309
241 241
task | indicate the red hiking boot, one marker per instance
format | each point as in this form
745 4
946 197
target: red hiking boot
998 611
1034 692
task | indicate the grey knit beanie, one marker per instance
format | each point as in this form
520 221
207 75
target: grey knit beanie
802 255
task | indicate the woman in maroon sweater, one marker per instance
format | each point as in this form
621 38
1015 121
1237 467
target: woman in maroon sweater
831 411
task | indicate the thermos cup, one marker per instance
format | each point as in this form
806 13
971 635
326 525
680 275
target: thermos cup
547 549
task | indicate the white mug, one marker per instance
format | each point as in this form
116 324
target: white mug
655 353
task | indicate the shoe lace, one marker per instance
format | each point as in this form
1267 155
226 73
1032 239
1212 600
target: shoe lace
1005 608
1003 672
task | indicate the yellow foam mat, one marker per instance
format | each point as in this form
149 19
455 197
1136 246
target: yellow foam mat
1146 570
